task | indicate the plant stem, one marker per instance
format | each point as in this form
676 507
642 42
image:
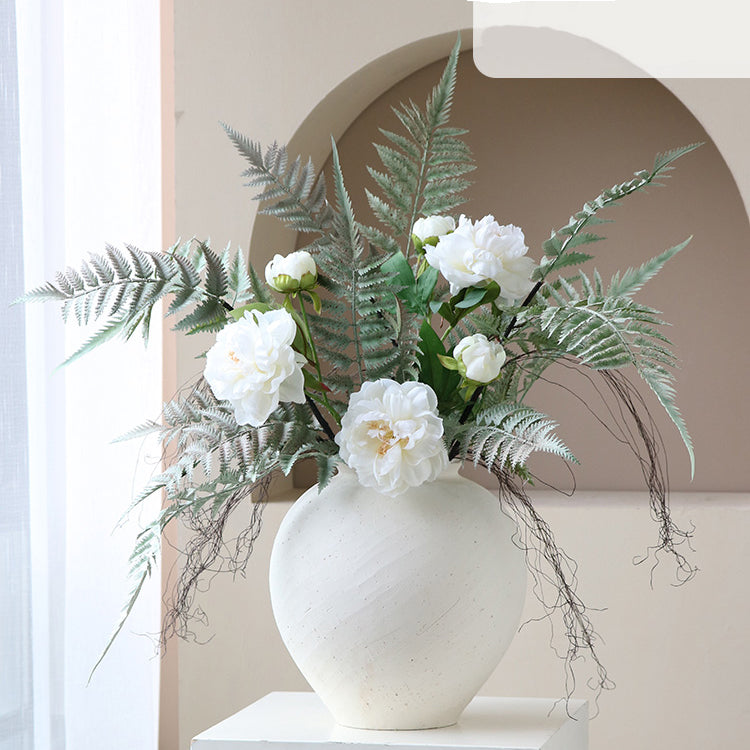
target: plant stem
466 413
447 331
316 412
315 361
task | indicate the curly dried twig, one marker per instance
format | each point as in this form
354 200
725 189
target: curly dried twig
208 552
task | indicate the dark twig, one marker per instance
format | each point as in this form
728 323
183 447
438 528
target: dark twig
207 552
322 422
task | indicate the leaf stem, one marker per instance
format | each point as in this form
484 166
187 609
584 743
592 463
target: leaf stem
316 362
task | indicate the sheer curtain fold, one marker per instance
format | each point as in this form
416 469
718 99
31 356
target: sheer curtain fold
89 126
16 717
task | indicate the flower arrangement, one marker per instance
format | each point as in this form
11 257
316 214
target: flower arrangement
391 349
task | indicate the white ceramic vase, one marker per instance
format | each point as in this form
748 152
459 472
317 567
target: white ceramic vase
397 610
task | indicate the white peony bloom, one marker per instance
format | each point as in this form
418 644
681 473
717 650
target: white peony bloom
292 272
253 366
482 358
433 226
482 251
391 436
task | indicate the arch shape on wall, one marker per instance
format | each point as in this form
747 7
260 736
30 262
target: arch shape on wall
564 141
716 104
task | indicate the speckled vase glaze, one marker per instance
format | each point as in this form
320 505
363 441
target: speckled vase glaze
397 610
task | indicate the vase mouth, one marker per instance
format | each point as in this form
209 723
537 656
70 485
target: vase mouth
452 469
450 472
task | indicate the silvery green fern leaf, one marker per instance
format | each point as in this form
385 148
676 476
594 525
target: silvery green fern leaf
421 171
290 192
505 435
606 332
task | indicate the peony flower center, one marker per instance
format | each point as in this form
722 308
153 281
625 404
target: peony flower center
382 431
233 357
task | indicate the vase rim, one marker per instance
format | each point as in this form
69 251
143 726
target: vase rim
449 472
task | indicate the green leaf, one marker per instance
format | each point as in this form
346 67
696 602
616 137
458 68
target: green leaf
426 286
400 268
316 301
471 298
444 382
239 312
448 362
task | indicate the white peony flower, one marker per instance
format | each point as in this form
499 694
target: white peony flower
482 251
481 358
432 226
292 272
253 366
391 436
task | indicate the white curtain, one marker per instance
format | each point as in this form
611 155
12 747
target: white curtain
15 600
89 126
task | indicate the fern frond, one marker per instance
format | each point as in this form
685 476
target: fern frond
607 332
212 447
123 286
505 435
290 192
115 328
238 279
633 279
142 562
663 161
571 235
209 315
422 169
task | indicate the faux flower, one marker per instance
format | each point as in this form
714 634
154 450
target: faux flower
253 366
481 358
392 436
292 273
428 230
481 251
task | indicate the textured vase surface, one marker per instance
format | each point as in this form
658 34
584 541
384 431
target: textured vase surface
397 610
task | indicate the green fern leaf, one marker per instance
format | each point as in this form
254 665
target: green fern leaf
505 435
292 193
238 280
608 332
216 276
422 169
633 279
569 236
209 315
113 329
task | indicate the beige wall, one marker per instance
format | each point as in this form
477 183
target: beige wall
677 654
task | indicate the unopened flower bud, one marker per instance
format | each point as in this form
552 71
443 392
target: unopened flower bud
480 360
292 273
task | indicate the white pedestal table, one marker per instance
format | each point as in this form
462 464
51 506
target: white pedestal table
299 721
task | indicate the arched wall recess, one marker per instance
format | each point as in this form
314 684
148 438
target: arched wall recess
336 112
720 105
544 147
